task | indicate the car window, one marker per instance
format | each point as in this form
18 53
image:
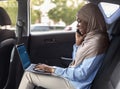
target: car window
53 15
39 28
56 27
109 9
111 12
11 8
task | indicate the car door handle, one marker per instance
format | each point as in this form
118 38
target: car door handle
50 40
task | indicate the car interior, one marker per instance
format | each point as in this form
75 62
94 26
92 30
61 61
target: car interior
55 49
7 42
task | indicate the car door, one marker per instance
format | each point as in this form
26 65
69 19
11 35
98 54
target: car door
50 47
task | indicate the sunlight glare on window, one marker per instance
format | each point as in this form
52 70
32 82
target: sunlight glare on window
109 9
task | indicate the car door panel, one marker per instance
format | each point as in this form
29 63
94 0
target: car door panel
49 48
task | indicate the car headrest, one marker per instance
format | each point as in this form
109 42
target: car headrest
4 17
6 34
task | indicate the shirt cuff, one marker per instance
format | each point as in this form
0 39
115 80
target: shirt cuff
58 70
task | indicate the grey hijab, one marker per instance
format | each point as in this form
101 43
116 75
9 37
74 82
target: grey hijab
96 41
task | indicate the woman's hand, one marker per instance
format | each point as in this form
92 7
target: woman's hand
45 67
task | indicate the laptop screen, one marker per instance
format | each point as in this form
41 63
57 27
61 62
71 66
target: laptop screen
23 56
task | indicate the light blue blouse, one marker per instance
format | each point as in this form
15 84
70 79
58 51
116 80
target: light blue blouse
75 47
81 76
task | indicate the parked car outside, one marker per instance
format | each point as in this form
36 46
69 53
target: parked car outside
40 27
71 27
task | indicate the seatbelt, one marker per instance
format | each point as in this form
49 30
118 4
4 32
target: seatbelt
19 29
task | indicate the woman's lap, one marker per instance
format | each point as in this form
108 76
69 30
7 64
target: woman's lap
47 81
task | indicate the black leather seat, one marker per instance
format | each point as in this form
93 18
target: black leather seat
108 77
7 41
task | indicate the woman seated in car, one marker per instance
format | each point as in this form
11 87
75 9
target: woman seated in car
81 72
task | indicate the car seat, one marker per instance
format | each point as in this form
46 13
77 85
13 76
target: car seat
108 76
7 41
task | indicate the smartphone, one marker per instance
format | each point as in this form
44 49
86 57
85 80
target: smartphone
79 32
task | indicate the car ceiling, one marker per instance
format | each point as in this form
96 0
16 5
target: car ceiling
109 1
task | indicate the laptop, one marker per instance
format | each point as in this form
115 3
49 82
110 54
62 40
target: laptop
25 60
